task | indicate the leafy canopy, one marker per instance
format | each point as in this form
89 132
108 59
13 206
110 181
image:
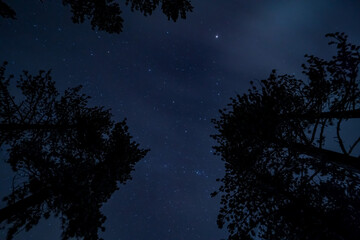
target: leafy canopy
68 158
105 15
281 181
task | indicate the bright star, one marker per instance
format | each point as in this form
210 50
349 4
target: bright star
216 36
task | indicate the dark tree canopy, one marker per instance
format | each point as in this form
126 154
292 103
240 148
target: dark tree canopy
68 158
105 15
6 11
281 181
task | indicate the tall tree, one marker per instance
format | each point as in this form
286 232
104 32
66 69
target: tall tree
105 15
280 181
68 158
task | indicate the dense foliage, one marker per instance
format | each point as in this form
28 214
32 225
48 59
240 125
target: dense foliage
68 158
105 15
281 181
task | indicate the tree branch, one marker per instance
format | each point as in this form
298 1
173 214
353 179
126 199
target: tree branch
339 137
23 204
43 126
327 115
340 159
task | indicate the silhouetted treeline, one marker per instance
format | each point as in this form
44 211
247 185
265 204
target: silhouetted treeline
280 181
105 15
68 158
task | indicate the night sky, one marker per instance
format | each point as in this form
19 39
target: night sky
169 80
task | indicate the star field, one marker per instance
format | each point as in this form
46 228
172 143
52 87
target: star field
169 80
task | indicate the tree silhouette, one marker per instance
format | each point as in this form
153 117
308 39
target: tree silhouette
68 157
6 11
105 15
281 181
